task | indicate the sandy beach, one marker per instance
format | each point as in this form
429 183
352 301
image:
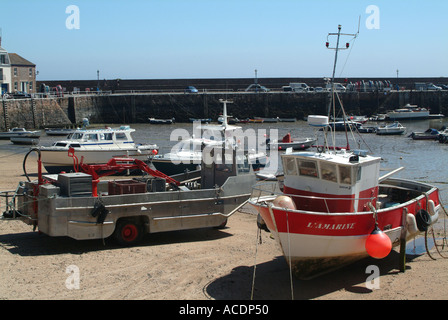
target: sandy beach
188 265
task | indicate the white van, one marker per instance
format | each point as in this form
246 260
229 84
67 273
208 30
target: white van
299 87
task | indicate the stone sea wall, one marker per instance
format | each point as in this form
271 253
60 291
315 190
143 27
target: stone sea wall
138 107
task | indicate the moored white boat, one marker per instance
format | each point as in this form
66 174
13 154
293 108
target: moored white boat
58 131
395 128
94 146
188 154
17 132
25 140
411 112
161 121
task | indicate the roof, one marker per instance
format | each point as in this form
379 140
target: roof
17 60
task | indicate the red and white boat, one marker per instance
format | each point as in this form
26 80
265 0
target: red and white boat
331 201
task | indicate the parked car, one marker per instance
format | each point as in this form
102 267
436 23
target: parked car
256 88
191 89
20 94
432 86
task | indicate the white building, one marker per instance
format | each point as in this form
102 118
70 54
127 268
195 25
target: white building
16 73
5 71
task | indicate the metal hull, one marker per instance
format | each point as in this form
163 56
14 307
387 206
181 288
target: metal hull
155 211
170 168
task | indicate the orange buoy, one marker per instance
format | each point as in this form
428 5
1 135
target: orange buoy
378 244
284 202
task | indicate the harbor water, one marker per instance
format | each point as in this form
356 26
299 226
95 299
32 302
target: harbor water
423 160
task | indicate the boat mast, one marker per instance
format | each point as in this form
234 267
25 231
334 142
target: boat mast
332 100
334 67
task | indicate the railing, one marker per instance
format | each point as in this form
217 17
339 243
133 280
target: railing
267 191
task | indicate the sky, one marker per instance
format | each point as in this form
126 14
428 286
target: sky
163 39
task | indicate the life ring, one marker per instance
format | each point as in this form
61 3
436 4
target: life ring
423 220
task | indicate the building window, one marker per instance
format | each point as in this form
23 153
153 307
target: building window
30 72
2 59
15 72
16 85
31 85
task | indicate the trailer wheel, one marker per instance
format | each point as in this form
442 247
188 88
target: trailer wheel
222 225
128 232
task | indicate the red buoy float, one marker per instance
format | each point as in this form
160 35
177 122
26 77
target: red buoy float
378 244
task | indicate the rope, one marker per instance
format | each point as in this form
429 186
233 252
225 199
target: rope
430 231
289 257
258 241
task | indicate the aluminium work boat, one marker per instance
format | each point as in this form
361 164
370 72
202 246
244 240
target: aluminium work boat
82 206
331 203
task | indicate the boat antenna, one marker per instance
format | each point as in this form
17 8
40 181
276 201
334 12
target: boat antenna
332 101
336 49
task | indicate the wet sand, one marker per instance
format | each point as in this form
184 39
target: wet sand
188 265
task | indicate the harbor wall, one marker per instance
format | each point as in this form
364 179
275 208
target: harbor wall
137 108
231 84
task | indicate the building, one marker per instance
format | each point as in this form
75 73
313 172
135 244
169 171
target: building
5 71
23 74
16 73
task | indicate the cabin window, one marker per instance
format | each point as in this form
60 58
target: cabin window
105 136
358 173
345 174
307 168
91 137
328 171
60 144
75 136
75 145
290 166
120 136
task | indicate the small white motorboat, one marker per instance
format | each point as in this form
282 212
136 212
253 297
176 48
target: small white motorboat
17 132
395 128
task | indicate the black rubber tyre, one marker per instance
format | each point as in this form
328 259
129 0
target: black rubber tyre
128 232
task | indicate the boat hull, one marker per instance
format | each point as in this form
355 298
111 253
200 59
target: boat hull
60 214
170 168
319 242
56 161
297 145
